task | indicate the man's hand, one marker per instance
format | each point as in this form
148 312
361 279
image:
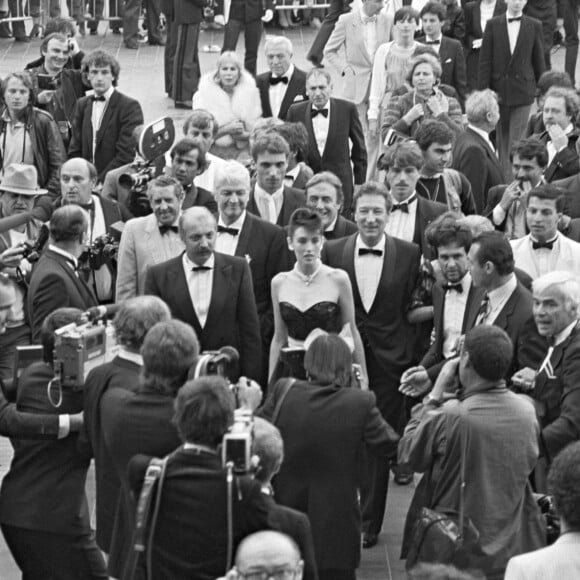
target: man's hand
558 137
415 382
12 257
268 15
73 46
44 97
438 104
414 114
249 394
512 193
235 127
448 379
524 379
231 575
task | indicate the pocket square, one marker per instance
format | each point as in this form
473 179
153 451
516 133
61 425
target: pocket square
298 98
448 60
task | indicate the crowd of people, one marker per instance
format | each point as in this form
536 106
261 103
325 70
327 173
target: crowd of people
397 267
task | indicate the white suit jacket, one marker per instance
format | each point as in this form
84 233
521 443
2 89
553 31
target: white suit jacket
568 258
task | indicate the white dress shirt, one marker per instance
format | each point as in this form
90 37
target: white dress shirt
98 112
435 47
278 92
269 204
513 32
320 125
368 270
486 12
291 175
453 315
369 33
226 243
544 259
200 285
499 297
550 146
401 224
101 278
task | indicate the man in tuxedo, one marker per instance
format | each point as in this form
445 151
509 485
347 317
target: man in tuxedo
134 319
511 65
324 194
383 271
271 199
360 33
474 154
55 282
336 138
450 51
507 204
260 243
103 124
546 13
285 83
560 112
249 15
150 239
411 213
210 291
545 249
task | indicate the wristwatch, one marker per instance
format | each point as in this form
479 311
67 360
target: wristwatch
430 400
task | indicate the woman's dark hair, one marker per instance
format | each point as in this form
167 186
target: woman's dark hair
563 484
306 218
406 13
328 360
204 410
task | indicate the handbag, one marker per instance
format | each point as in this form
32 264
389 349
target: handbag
446 536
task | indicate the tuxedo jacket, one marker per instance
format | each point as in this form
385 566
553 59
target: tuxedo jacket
232 318
512 76
494 196
565 163
570 186
55 284
357 66
384 328
473 156
342 228
295 92
427 211
120 373
293 199
558 396
453 65
114 141
344 130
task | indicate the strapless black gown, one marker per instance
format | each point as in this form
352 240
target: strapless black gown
325 315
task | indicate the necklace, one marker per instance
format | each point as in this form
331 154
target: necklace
307 278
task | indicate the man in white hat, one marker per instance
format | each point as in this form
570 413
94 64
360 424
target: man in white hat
18 192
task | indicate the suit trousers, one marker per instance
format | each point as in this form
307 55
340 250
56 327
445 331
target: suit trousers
571 40
131 11
169 53
511 128
337 7
252 36
372 142
186 71
51 556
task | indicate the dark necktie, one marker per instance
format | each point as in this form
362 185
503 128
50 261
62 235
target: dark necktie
101 98
404 206
315 112
200 268
432 42
370 252
164 229
484 310
516 19
277 80
538 245
457 287
226 230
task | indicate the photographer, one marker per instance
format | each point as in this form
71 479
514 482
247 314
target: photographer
190 537
18 192
43 507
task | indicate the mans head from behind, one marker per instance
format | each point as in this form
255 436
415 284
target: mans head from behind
482 110
269 448
68 229
563 485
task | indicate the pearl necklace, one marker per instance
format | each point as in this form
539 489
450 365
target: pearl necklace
307 278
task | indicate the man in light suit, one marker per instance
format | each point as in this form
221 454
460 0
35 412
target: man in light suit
210 291
270 199
150 239
103 124
285 83
336 138
360 33
383 271
511 63
545 249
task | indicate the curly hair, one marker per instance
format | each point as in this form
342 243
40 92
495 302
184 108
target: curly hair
563 484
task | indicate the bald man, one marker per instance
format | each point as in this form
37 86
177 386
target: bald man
210 291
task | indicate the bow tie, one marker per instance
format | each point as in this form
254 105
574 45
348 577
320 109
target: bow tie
323 112
226 230
516 19
404 206
457 287
430 42
369 252
369 19
86 206
164 229
201 268
278 80
96 98
538 245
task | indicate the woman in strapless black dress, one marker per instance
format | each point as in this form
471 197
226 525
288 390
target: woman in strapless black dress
308 297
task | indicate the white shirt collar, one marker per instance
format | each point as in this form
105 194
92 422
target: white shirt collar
107 94
238 224
294 171
130 356
263 193
64 253
331 225
501 294
379 246
327 106
189 265
480 132
564 334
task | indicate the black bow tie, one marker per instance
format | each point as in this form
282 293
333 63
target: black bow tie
431 42
370 252
226 230
538 245
96 98
165 229
277 80
200 268
457 287
86 206
516 19
404 206
315 112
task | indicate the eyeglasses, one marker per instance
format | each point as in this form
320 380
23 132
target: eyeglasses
286 573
